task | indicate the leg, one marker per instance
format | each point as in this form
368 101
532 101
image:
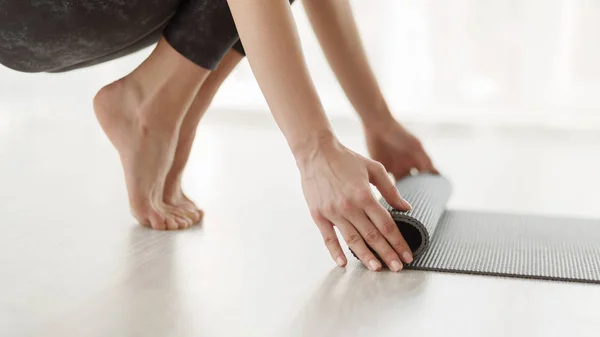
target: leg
142 115
173 194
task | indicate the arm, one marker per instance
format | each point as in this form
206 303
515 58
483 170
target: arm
388 142
335 180
271 41
336 30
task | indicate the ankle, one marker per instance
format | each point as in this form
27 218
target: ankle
155 104
172 185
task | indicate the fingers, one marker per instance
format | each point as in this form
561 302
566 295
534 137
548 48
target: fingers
357 244
367 228
433 170
378 177
387 226
424 164
382 218
374 238
330 239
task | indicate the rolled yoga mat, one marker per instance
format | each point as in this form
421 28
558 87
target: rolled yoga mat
491 243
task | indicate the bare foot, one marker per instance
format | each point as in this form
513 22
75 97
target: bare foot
142 114
173 194
146 150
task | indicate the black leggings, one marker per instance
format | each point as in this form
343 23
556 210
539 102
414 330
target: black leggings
60 35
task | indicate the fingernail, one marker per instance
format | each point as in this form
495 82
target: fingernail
340 261
374 265
407 256
396 266
409 206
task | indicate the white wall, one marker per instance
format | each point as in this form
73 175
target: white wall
467 61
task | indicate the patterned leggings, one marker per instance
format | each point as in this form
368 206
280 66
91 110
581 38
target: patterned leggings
60 35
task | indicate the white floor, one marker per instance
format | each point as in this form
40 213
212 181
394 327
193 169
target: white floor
73 262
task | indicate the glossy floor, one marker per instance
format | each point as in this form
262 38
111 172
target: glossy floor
75 264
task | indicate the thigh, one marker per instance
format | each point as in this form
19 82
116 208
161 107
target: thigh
47 35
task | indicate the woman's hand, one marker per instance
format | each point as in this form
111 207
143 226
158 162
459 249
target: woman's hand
397 149
336 186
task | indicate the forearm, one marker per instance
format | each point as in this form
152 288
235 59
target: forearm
271 41
336 30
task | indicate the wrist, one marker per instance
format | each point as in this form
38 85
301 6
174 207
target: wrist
376 116
307 148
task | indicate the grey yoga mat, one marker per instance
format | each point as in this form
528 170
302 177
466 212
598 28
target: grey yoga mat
491 243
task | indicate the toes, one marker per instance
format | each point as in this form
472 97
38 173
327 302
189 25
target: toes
157 221
183 222
167 217
186 216
189 215
188 204
172 223
195 212
165 220
177 218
